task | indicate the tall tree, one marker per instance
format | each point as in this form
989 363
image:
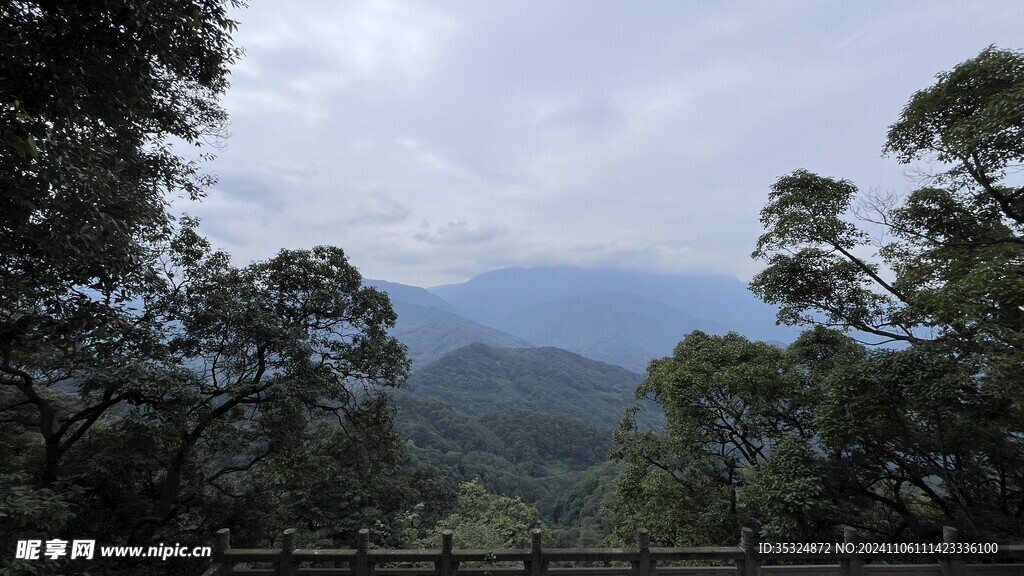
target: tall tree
949 283
897 442
261 403
952 273
737 446
94 94
147 386
263 348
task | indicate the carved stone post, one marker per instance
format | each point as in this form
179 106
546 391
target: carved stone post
536 565
951 565
644 566
222 545
847 566
284 562
445 566
361 565
750 565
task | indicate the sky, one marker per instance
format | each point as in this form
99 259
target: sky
434 141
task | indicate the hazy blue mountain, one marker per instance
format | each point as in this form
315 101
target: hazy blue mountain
492 297
479 379
430 328
430 333
624 329
410 294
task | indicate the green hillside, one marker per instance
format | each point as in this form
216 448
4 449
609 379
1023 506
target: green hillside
479 379
555 463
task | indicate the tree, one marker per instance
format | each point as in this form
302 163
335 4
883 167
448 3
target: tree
739 433
482 520
270 360
801 441
949 285
147 386
94 94
957 244
263 404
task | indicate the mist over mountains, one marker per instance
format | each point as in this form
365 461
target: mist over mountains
619 317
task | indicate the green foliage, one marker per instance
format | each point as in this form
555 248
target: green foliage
545 437
527 439
94 94
436 425
260 406
27 511
825 433
957 246
285 363
789 491
146 382
148 385
729 403
534 456
482 520
918 428
30 512
804 212
932 431
580 513
971 119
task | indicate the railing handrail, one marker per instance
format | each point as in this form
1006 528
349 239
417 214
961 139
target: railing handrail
643 560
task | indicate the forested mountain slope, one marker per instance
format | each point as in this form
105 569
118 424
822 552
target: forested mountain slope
556 463
479 379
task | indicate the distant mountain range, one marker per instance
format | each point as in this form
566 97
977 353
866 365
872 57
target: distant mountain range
619 317
623 329
520 374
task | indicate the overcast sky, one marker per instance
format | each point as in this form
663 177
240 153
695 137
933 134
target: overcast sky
434 141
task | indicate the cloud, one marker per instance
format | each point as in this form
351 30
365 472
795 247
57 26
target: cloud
308 52
249 189
578 132
378 209
459 233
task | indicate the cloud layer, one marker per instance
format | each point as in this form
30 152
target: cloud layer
433 141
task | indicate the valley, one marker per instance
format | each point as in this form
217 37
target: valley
520 376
